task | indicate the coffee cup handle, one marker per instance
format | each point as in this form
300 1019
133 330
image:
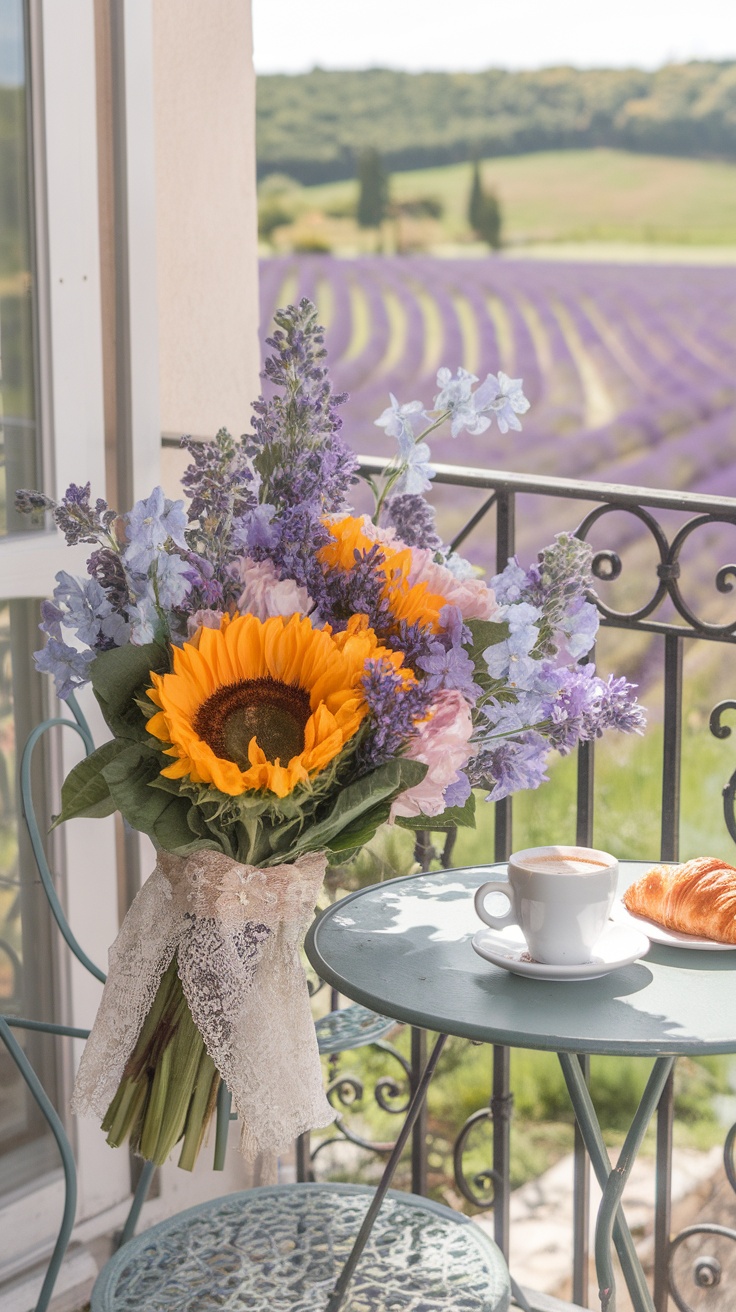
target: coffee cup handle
495 886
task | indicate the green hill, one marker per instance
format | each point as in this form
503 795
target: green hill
313 125
562 196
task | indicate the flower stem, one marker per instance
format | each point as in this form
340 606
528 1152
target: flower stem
169 1085
200 1111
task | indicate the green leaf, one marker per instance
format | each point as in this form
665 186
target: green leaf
85 791
455 817
128 777
173 831
356 836
117 676
355 801
486 633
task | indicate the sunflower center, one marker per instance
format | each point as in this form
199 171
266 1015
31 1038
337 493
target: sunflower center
273 713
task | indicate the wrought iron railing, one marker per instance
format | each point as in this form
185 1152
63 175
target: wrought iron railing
671 523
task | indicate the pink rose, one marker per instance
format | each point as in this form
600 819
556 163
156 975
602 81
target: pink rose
474 599
442 742
203 619
265 594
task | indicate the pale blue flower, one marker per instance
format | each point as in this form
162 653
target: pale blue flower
69 667
459 567
516 765
509 402
416 470
458 792
145 622
498 397
172 581
511 584
578 630
454 392
456 395
399 423
149 526
82 606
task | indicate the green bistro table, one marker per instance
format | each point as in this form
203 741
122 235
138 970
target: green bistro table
403 948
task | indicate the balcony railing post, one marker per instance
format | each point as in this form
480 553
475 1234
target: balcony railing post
671 748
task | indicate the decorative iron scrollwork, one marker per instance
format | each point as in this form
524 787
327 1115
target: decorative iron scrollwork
346 1089
476 1189
721 730
703 1268
607 566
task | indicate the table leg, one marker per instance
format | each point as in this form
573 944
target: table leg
415 1106
611 1224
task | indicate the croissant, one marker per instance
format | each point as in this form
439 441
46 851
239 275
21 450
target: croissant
698 897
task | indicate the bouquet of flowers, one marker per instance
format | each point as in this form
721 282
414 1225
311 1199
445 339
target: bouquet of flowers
280 677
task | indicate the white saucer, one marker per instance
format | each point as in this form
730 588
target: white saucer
669 938
618 945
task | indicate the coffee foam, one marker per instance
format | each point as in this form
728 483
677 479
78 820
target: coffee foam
557 864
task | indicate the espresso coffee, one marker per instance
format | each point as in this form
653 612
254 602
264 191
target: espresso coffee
556 864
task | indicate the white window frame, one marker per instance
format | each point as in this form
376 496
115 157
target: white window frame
70 402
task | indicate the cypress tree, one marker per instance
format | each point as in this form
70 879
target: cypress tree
373 190
475 202
484 211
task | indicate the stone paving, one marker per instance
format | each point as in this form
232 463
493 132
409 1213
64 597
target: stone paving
541 1218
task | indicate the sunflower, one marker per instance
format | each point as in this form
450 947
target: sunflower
412 602
262 704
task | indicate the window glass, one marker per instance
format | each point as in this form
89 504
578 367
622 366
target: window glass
26 941
18 437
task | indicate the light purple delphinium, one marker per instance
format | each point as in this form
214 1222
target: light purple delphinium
67 666
498 397
149 526
402 422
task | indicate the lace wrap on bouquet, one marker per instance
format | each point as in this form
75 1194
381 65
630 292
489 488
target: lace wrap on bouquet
237 931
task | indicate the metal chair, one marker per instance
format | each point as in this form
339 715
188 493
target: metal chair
268 1248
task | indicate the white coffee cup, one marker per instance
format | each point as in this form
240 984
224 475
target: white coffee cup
560 897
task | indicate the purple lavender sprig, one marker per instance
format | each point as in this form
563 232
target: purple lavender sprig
413 518
223 492
75 515
394 710
296 445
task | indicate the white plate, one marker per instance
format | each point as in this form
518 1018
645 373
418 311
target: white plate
618 946
669 938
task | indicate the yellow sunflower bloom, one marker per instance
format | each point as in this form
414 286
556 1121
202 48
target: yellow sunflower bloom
262 704
411 602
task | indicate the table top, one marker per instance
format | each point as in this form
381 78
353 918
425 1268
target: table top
404 949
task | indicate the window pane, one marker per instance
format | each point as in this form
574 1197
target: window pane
18 437
26 940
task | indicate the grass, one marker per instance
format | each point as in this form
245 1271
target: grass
575 196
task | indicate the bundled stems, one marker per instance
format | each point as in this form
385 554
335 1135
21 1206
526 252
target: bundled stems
169 1085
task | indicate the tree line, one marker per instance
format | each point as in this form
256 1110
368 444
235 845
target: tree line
315 126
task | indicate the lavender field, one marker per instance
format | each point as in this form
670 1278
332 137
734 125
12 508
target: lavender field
630 369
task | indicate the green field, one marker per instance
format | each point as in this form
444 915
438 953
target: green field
559 196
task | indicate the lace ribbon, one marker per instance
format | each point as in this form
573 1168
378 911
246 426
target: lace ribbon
237 932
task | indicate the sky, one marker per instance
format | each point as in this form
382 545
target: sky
293 36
